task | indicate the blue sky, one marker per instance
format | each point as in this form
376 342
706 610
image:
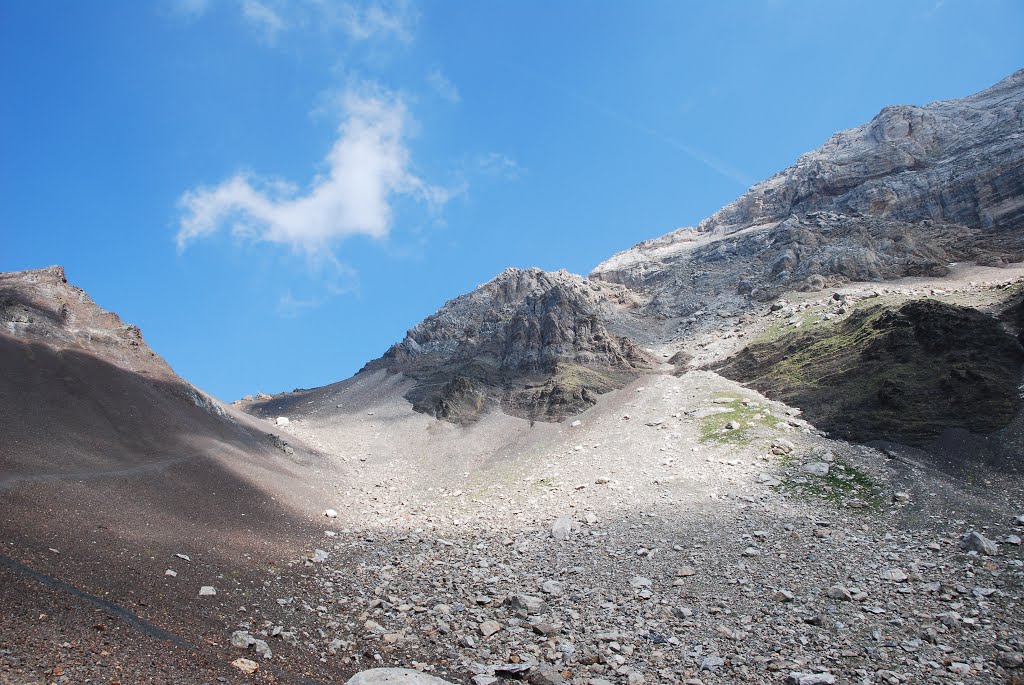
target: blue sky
276 191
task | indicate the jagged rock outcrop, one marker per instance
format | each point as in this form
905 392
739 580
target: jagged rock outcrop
959 161
906 194
540 345
40 305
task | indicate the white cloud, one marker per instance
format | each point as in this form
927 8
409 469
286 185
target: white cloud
263 18
498 164
443 87
367 168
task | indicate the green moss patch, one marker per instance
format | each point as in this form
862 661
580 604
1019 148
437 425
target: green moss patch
902 373
843 484
714 428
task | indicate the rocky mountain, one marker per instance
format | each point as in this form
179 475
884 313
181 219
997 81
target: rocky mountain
65 357
912 193
92 413
749 492
906 194
538 345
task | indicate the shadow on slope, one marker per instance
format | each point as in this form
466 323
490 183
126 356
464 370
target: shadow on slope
906 374
106 474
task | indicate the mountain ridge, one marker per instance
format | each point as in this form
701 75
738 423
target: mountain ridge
908 194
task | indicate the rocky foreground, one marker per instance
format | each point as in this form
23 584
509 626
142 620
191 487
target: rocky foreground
686 530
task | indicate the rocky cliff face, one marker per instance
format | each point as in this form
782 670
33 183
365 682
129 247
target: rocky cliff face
906 194
959 161
540 345
40 305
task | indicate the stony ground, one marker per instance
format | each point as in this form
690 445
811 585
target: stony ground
684 530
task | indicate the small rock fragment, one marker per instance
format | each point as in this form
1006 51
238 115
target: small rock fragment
562 528
811 679
896 575
247 666
395 676
839 592
815 468
973 541
711 663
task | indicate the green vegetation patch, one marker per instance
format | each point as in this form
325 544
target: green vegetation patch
713 428
781 326
843 484
903 373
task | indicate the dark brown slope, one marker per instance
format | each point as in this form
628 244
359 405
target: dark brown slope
110 464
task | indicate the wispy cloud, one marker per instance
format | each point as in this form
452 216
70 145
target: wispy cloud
500 165
358 21
374 20
440 84
264 19
367 168
693 152
288 306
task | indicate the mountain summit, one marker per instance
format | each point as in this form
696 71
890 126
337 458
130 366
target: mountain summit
916 188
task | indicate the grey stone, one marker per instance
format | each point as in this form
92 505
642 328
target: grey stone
545 674
711 663
815 468
526 604
783 596
810 679
243 640
839 592
973 541
488 628
896 575
394 676
562 528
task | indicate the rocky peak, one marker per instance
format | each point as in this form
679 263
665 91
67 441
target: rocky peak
960 161
916 188
39 305
528 319
523 330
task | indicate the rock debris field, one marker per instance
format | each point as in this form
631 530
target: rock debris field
690 531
